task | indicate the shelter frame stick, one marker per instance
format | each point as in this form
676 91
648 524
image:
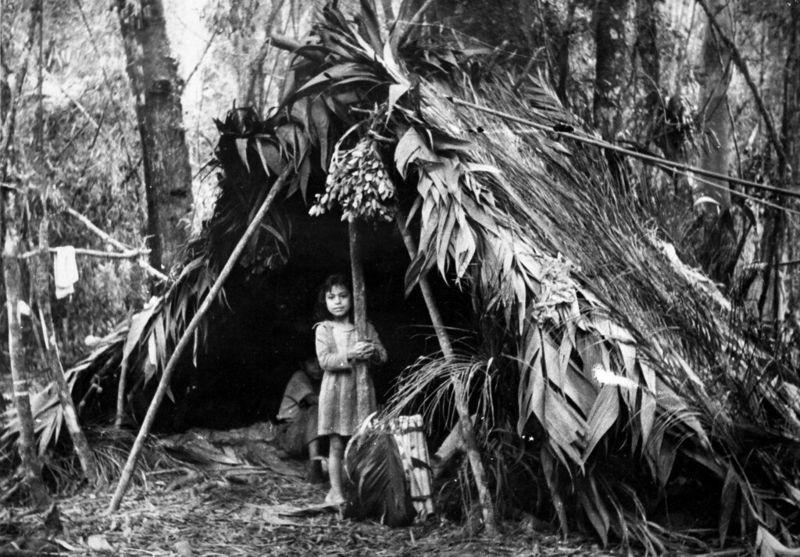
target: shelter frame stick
187 338
360 367
628 152
460 394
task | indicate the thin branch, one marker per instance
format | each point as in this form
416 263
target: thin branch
116 243
635 154
202 56
742 66
130 254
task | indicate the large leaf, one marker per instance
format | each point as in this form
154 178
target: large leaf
603 415
411 147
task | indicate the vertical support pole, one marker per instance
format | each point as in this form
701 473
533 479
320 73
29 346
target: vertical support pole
364 404
461 402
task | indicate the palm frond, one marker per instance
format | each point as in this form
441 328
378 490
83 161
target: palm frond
378 487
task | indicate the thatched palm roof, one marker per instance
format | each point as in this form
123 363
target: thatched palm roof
607 358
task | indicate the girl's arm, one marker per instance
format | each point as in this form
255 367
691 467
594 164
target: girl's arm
380 355
329 358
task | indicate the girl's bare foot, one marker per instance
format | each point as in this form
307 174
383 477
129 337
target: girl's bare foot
334 498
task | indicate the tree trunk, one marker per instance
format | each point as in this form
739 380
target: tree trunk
31 465
714 76
562 53
154 80
610 65
647 49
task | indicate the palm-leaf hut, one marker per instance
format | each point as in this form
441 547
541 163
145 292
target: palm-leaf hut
609 379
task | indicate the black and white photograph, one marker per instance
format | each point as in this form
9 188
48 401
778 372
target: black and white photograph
400 278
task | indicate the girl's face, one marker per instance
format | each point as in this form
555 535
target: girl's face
337 301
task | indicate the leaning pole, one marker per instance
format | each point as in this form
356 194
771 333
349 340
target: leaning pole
187 338
460 395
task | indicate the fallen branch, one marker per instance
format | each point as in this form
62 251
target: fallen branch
188 337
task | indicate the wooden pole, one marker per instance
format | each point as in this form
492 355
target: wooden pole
461 402
364 402
187 338
41 286
31 465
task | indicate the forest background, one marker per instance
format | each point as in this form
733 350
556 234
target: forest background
653 76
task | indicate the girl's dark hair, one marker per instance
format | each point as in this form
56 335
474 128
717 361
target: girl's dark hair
321 312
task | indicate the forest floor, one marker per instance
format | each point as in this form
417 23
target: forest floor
249 511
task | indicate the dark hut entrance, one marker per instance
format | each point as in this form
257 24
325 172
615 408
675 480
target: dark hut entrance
256 343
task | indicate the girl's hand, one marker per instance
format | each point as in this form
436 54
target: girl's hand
363 350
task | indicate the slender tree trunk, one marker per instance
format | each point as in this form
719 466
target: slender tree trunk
610 64
562 53
714 76
32 467
153 75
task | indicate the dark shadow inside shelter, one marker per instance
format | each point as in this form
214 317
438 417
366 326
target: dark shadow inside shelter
257 342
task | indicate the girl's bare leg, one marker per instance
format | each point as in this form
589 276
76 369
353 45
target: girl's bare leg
336 494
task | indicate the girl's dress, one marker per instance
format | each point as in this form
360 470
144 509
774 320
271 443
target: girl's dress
337 398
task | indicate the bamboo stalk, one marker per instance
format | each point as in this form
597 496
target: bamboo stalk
461 404
187 337
31 465
364 401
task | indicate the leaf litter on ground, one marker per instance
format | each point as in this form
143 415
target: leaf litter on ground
270 511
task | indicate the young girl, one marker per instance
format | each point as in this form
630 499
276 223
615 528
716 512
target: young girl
337 351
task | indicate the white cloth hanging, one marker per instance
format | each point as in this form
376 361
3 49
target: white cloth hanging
65 271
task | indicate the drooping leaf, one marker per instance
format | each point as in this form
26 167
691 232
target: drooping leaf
410 148
241 148
602 417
